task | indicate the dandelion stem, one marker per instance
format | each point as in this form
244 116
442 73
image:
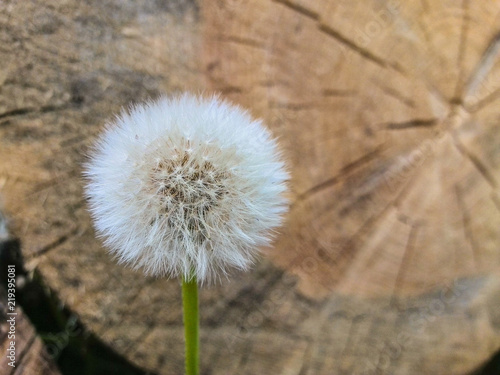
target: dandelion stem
191 324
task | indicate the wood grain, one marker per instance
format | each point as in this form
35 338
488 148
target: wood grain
387 114
381 109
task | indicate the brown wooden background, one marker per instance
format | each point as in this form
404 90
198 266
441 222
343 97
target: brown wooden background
389 115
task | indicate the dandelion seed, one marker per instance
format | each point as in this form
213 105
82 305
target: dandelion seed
186 185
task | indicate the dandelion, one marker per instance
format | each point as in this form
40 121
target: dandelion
186 187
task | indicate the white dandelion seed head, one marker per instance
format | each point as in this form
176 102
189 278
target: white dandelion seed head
186 184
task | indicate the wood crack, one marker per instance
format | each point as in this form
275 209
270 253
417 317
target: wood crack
353 46
397 95
16 112
410 178
349 251
28 110
346 170
373 220
241 40
230 90
299 9
476 162
246 300
292 106
358 49
466 225
417 123
405 260
54 244
338 93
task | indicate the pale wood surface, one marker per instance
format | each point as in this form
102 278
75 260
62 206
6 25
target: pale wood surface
389 115
391 249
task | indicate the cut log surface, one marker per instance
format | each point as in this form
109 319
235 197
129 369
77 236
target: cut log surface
388 113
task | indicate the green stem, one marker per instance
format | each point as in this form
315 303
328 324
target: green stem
191 324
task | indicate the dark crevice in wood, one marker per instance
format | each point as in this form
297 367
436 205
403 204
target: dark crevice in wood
51 108
54 244
476 162
338 93
299 9
241 40
345 41
346 170
466 225
227 90
375 254
405 261
396 95
353 243
435 92
292 106
72 141
29 110
247 299
417 123
408 184
353 46
16 112
373 220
